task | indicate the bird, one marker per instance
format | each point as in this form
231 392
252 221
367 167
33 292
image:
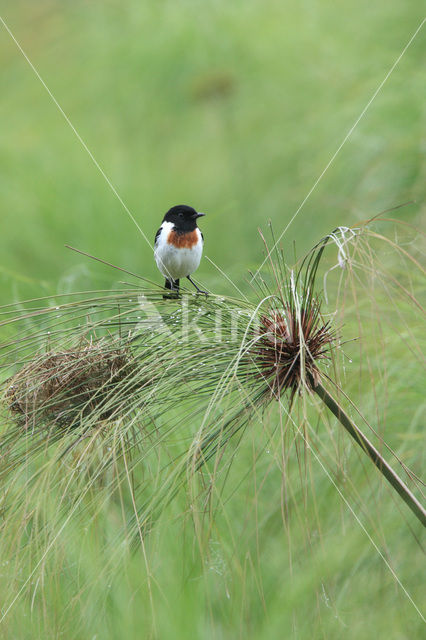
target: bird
178 246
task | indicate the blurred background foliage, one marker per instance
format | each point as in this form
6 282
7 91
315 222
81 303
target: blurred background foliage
235 108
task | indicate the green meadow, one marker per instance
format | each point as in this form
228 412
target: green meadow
300 116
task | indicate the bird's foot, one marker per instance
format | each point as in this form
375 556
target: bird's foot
206 293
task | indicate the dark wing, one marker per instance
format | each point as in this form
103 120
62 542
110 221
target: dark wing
157 235
202 237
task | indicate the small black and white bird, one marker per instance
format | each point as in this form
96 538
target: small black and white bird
178 246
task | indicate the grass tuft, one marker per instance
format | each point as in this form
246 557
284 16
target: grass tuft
64 387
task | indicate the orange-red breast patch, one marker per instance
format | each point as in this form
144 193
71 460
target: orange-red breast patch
183 240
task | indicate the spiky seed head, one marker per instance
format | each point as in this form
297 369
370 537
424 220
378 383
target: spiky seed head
290 344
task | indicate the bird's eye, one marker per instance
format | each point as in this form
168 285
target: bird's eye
181 214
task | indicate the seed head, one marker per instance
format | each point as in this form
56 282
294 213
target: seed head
59 387
290 345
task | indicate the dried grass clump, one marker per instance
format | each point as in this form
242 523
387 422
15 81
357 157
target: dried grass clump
65 386
290 345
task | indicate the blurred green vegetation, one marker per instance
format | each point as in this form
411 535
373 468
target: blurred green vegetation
235 108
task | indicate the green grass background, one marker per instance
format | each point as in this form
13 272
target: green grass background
235 108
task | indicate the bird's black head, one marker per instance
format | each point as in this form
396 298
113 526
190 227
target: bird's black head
183 217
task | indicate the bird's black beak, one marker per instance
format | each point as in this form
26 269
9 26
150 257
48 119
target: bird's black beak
198 214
